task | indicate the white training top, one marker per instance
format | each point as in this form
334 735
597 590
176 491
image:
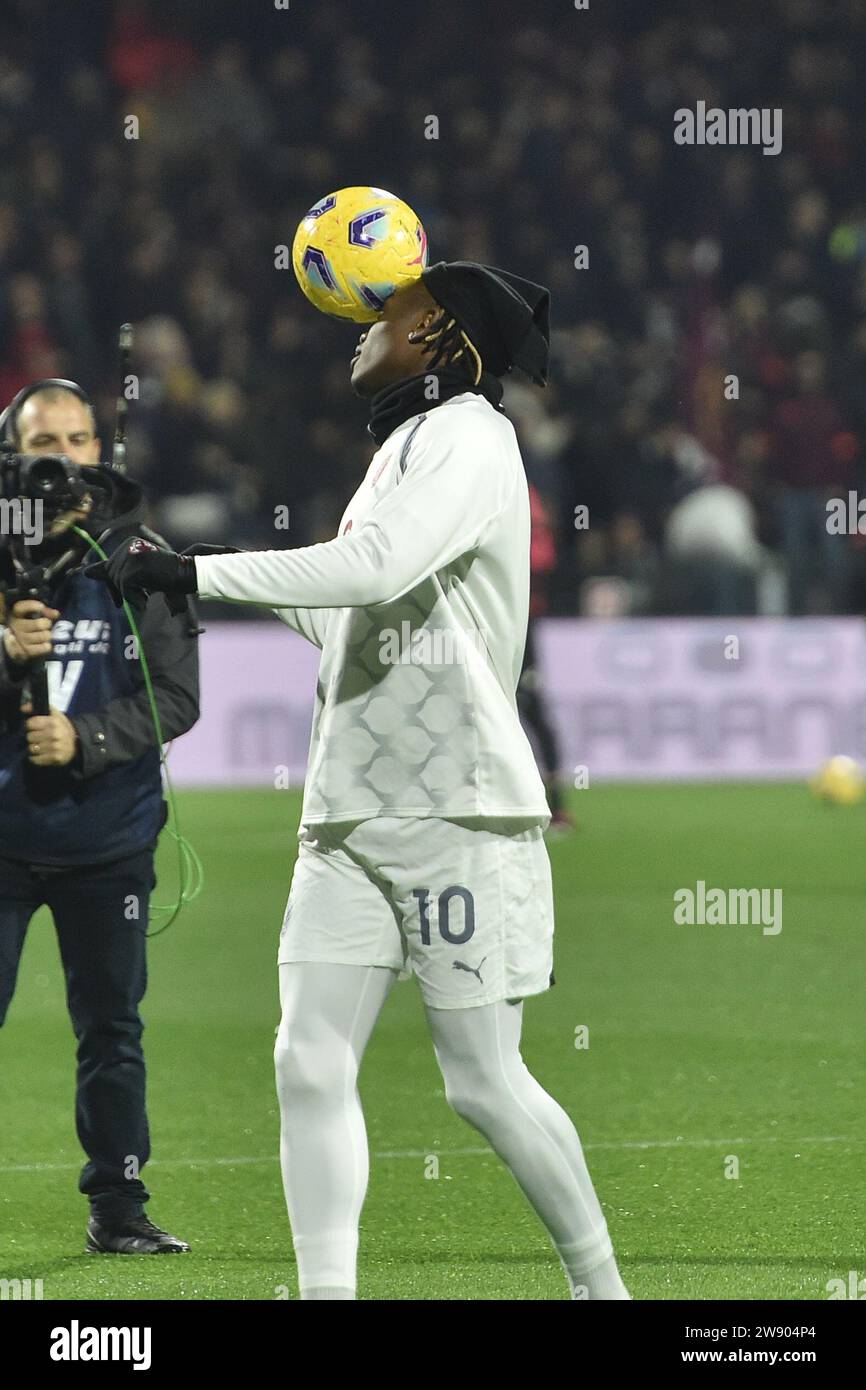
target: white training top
420 608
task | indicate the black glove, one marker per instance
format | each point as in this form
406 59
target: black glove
139 568
202 548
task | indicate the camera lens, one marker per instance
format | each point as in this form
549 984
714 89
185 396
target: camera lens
46 477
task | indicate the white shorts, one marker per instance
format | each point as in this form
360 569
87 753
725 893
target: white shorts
467 910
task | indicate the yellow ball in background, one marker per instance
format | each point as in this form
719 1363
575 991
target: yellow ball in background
354 248
840 781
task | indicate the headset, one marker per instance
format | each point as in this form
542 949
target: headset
9 418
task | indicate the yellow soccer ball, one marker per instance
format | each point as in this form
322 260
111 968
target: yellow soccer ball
354 248
840 781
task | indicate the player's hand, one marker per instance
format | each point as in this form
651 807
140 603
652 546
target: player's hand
28 634
139 568
51 738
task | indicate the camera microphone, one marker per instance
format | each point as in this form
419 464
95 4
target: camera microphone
118 453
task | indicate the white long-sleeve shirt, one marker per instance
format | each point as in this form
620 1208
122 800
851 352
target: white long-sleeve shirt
420 607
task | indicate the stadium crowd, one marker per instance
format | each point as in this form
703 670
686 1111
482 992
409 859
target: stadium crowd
709 384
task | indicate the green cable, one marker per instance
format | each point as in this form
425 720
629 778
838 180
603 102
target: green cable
190 869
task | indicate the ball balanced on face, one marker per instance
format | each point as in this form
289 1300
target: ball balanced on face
354 248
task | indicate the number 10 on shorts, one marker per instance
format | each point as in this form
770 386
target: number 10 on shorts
442 907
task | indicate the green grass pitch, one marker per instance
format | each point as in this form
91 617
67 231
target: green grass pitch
706 1044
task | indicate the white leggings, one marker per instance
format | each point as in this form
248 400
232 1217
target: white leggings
328 1014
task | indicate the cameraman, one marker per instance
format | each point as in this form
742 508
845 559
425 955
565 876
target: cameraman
81 800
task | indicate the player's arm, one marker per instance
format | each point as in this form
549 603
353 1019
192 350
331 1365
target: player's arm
309 623
452 489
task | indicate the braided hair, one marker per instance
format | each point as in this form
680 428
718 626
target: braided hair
450 346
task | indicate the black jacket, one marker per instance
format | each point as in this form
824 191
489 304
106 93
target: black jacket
108 802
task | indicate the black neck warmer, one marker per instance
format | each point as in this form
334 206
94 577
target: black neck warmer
391 406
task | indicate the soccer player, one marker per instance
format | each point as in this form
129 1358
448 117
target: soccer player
421 840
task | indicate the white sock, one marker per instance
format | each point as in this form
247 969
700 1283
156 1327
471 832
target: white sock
328 1015
331 1294
602 1282
487 1082
327 1259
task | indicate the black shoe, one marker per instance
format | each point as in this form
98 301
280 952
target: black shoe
136 1235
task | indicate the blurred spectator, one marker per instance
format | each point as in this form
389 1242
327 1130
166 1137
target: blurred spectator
634 560
811 459
712 551
713 339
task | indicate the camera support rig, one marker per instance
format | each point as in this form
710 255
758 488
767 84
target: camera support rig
31 582
31 577
49 478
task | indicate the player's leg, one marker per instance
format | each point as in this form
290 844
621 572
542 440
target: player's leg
477 911
340 953
328 1014
488 1084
